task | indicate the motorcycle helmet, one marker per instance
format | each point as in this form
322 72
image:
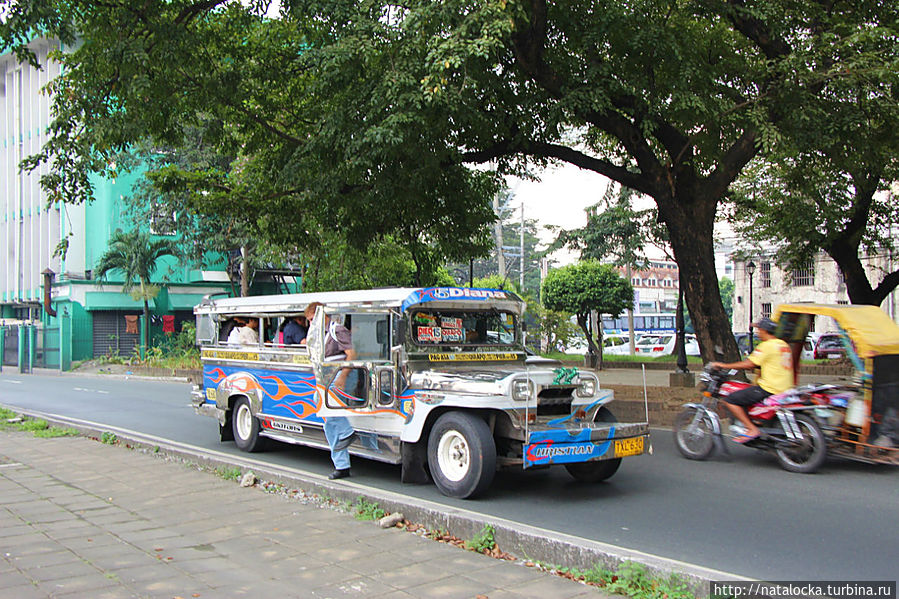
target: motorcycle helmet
766 324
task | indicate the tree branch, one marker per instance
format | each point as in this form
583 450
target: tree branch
188 13
756 31
564 153
733 161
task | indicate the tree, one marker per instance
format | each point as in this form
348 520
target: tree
311 153
615 231
509 222
363 105
554 328
585 287
807 204
827 187
136 254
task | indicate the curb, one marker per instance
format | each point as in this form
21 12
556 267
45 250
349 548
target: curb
528 543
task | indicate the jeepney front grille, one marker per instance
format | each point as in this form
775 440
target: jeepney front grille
554 401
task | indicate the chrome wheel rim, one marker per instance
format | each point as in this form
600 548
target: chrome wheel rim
244 421
453 455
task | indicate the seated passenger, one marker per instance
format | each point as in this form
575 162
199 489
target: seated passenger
245 335
295 330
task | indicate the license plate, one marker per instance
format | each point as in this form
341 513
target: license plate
834 356
626 447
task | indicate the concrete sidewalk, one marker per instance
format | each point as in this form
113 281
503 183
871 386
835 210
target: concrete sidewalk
84 519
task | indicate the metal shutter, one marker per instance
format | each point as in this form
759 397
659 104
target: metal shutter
110 336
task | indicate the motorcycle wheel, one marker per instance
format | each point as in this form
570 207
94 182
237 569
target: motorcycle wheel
808 455
694 434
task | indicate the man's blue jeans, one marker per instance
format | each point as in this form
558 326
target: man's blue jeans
338 427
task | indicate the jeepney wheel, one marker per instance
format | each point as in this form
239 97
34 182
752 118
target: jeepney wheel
246 427
461 455
597 471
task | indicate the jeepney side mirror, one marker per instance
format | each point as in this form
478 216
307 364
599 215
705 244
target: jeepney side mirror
400 331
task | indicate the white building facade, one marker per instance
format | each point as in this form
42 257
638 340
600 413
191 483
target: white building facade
818 281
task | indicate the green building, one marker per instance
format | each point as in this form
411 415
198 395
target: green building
52 309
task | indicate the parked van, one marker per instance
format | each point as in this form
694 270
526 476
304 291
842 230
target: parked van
444 387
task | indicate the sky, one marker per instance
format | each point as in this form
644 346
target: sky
561 198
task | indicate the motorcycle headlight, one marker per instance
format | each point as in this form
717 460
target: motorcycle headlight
586 387
521 389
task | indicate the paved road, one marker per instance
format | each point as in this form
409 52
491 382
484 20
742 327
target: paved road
746 516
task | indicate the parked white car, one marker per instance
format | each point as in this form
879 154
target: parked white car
616 345
663 345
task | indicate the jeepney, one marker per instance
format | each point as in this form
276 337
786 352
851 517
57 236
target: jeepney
445 387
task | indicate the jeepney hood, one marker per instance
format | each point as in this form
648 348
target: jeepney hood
480 381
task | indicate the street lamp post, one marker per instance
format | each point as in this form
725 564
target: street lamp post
750 270
679 324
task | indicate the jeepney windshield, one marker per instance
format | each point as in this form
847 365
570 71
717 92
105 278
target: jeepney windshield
463 327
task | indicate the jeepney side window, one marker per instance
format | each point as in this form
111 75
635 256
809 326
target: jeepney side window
370 335
206 330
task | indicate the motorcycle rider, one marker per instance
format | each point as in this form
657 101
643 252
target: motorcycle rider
774 358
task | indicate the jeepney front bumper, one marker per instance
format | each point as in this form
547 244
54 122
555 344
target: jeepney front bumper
547 444
204 407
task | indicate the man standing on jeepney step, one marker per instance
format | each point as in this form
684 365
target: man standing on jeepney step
774 358
338 432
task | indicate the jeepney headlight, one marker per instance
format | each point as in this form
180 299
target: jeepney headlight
521 389
586 387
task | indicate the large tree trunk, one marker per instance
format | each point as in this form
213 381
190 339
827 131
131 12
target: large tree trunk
859 288
690 221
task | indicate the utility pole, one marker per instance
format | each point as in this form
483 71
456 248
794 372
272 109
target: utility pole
498 229
521 259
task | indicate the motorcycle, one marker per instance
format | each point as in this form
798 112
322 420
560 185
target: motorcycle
790 428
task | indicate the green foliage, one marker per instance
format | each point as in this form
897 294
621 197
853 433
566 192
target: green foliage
483 541
726 287
177 351
366 510
53 432
589 285
629 580
580 288
229 473
554 327
335 110
136 255
38 427
34 425
109 438
615 231
634 580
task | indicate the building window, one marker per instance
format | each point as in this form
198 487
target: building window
765 274
163 220
766 310
843 302
803 275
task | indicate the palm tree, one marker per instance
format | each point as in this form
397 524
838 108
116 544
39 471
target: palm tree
135 254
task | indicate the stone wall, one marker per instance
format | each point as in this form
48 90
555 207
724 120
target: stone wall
664 403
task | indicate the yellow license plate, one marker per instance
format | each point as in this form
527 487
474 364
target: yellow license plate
626 447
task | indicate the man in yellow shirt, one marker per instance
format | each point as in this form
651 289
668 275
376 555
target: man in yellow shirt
774 358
